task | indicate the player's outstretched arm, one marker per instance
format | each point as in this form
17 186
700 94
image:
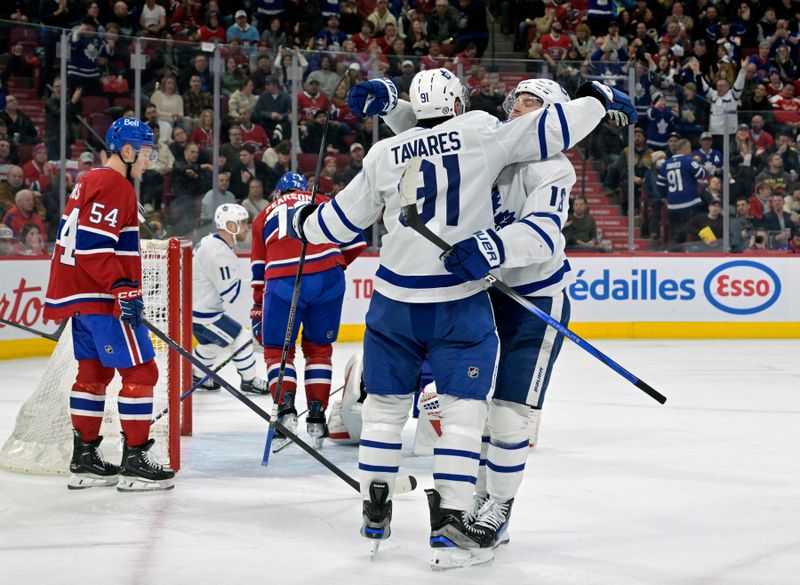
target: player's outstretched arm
342 219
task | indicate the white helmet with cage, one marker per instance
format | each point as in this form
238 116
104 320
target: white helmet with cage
230 212
546 90
438 93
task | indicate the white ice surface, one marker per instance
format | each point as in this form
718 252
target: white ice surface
703 491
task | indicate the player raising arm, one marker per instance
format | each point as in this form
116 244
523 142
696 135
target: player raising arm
216 283
418 307
274 258
95 278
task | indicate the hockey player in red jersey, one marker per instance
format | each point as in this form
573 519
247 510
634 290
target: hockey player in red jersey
274 258
95 278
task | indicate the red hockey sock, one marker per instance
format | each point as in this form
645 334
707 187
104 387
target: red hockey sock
88 398
135 411
318 371
272 356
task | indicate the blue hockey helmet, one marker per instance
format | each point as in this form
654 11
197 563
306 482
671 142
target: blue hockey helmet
292 182
129 131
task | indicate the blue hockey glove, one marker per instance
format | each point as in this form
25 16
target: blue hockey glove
471 259
371 98
129 305
256 318
613 100
296 218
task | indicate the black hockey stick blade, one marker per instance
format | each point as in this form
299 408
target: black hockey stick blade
54 336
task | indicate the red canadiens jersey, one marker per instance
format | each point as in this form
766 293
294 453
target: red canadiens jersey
97 245
275 255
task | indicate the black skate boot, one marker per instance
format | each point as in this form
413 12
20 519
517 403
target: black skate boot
491 523
88 467
377 516
315 423
287 416
255 386
140 472
209 385
453 545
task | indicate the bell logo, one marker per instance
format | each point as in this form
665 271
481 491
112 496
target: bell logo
742 287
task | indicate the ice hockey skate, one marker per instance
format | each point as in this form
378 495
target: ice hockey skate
490 526
208 384
377 516
451 542
88 467
255 386
316 426
140 472
287 416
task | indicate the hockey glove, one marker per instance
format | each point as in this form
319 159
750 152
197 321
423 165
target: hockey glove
618 104
129 304
296 218
376 97
256 319
471 259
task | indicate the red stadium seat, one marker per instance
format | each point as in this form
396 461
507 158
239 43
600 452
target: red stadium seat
99 122
125 103
93 104
306 163
25 152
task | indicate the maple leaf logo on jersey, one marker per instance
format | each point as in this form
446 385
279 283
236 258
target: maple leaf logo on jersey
502 218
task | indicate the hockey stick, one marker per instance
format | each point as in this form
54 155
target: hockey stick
54 336
410 485
408 197
289 337
202 380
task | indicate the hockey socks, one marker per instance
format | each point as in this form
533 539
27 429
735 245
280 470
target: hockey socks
135 411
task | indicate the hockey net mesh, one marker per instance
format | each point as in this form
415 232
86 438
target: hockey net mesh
41 442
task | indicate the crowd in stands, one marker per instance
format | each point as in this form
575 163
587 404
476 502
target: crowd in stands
705 72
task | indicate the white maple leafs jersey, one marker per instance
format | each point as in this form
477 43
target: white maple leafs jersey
531 208
216 280
462 159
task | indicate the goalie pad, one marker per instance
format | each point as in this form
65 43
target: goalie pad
429 427
429 423
344 421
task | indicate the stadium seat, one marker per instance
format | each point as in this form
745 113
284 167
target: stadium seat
99 122
25 152
123 102
306 163
94 104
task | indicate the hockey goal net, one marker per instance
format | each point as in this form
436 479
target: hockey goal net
42 438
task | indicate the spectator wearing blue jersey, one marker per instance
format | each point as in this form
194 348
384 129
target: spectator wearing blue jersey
677 181
243 31
333 35
709 157
85 47
660 120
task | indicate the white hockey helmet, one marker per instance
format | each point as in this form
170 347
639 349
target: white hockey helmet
438 93
547 90
230 212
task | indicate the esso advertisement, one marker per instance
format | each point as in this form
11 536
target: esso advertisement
684 288
742 287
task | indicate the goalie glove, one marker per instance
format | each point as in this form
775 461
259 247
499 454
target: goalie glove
376 97
129 305
474 257
256 319
618 104
296 218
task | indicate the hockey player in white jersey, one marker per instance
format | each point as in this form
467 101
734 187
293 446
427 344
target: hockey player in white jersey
418 307
531 204
216 284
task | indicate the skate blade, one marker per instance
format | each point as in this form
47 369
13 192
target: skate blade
444 559
82 481
139 484
504 538
280 443
374 547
